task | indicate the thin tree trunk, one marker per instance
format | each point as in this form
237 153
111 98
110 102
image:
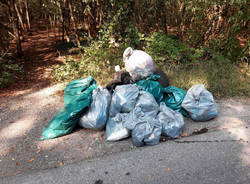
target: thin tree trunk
15 25
74 23
27 14
62 12
19 15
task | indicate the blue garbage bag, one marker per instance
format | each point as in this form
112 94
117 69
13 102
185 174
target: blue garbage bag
97 114
200 103
172 121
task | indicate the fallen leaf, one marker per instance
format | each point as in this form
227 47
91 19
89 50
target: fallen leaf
185 135
17 163
44 119
229 132
24 134
81 147
61 163
149 176
31 160
121 148
38 151
11 149
11 122
101 138
169 169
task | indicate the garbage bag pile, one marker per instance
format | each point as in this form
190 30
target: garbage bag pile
134 104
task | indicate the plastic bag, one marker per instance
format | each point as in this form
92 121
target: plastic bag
173 99
147 103
115 129
151 85
75 88
147 132
123 99
163 80
146 106
97 114
120 78
200 103
172 122
65 121
138 63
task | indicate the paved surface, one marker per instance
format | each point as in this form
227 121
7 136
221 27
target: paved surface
25 115
200 159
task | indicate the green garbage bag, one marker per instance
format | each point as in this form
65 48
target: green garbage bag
65 121
151 85
75 88
173 98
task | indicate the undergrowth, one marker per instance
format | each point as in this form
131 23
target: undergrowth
10 71
184 65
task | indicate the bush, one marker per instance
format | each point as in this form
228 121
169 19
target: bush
10 71
164 48
97 62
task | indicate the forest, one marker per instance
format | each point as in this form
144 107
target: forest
205 41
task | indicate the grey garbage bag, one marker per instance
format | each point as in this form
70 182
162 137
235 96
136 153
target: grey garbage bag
146 106
123 99
147 132
115 129
171 121
200 103
97 114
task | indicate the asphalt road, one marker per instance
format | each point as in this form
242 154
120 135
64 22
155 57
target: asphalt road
219 155
214 157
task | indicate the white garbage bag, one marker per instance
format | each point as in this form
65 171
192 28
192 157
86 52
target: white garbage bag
97 114
200 103
138 63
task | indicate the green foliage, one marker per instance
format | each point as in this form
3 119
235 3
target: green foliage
164 48
98 62
10 71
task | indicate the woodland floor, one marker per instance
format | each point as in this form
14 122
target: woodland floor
39 57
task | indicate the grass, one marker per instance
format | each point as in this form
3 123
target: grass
222 79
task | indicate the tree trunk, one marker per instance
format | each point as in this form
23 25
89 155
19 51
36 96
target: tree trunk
27 15
19 15
74 23
15 26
